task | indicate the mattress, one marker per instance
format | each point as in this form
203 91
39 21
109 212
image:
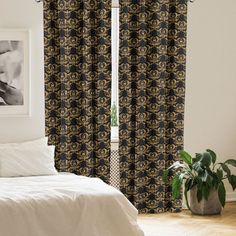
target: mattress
64 205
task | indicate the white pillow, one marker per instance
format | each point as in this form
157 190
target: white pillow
27 161
35 143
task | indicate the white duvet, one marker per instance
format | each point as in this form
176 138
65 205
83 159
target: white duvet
64 205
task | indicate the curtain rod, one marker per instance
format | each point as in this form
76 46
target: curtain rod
38 1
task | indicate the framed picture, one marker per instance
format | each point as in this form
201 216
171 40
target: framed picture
14 73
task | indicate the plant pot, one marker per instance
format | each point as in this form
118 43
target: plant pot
212 206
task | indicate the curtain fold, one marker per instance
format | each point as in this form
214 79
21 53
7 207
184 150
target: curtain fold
77 37
151 98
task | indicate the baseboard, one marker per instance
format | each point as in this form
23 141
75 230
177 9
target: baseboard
231 197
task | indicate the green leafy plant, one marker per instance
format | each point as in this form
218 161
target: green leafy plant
114 118
201 171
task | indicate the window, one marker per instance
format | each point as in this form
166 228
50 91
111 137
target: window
115 68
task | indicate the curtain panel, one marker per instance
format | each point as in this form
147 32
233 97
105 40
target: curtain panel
77 37
151 98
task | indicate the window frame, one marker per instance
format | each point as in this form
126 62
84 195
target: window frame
115 68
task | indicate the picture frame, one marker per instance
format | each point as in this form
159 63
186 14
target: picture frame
15 73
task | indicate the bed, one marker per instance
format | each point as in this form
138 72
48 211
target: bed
64 205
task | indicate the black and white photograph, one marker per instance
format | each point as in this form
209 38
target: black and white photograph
14 72
11 73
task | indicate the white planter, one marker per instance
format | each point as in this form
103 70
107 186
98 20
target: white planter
212 206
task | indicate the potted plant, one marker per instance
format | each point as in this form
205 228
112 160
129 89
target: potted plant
203 177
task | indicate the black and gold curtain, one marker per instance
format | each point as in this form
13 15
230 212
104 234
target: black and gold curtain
78 84
152 89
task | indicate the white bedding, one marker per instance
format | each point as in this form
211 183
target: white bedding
64 205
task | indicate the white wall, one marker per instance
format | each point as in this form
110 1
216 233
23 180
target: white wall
210 118
29 15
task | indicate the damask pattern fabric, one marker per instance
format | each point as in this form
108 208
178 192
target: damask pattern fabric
78 84
152 90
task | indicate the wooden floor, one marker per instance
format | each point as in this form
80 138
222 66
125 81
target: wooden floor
186 224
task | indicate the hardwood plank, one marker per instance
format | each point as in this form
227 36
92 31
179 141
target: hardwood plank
186 224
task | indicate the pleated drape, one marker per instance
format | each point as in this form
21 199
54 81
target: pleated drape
77 37
152 91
